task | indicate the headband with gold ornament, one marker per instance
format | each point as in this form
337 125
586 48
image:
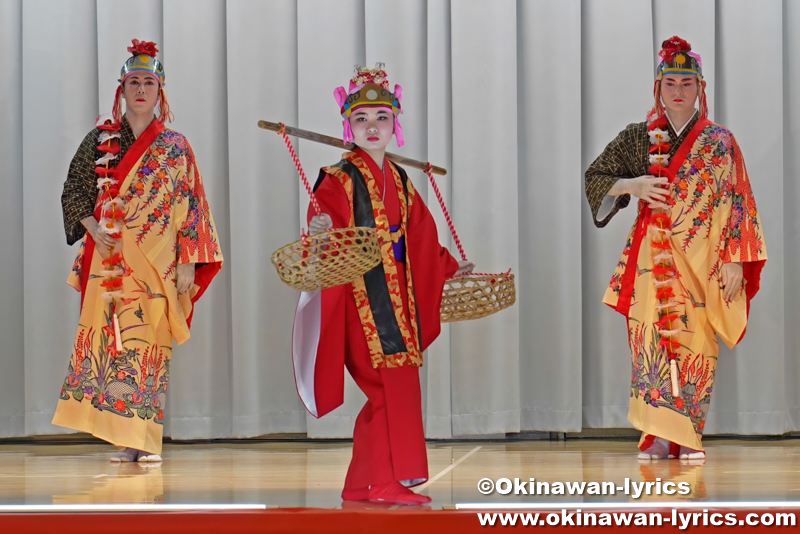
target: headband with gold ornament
143 60
369 88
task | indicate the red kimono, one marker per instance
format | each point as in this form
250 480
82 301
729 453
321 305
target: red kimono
378 325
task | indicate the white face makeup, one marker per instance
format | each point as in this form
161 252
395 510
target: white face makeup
679 93
141 93
372 127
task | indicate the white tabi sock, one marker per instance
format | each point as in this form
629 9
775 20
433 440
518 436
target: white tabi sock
127 455
659 450
691 454
147 457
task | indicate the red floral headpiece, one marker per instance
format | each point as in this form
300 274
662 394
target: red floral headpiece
147 48
672 46
365 75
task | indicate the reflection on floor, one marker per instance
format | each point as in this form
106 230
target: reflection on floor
303 474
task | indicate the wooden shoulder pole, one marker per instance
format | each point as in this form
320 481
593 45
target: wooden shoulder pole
334 142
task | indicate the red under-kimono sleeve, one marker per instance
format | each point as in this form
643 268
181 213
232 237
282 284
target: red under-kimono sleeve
328 370
431 266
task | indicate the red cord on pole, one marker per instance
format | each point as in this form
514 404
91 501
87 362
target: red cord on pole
446 213
299 167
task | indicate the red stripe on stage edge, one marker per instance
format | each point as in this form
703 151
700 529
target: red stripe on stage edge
366 517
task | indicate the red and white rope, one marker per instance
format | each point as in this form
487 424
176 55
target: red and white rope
446 213
299 167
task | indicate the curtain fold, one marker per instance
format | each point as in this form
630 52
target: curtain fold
262 84
59 107
758 363
549 277
435 374
12 333
616 89
330 41
485 379
195 59
791 199
514 97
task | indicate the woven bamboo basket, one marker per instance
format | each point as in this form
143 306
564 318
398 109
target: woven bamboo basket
474 296
327 259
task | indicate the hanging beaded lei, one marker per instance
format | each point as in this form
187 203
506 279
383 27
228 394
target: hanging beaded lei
665 274
111 220
676 56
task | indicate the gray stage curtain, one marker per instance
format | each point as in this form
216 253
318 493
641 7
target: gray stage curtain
515 98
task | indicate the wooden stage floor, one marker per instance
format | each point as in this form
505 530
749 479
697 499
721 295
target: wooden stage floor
311 474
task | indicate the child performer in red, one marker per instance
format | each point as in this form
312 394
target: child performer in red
379 325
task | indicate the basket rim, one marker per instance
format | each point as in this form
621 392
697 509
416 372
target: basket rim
478 276
366 254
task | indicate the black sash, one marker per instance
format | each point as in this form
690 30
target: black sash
375 280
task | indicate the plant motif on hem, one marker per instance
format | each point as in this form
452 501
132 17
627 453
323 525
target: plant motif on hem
119 382
89 370
148 399
78 382
697 379
650 378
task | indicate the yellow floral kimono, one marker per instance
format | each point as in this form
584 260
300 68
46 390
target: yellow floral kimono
713 220
131 310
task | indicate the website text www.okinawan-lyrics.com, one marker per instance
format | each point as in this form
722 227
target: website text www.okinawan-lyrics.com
683 520
574 516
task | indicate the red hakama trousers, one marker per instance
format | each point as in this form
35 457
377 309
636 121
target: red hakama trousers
389 439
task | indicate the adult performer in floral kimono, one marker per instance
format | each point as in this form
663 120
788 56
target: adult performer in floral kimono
149 250
378 325
693 258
